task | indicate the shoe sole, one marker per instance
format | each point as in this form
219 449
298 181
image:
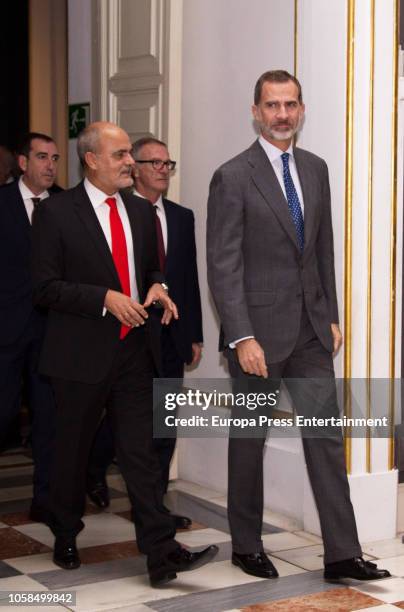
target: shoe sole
65 567
334 578
251 573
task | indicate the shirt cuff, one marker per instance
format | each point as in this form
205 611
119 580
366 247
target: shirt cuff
232 345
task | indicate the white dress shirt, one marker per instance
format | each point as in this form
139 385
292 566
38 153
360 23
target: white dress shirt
161 214
27 196
102 209
274 156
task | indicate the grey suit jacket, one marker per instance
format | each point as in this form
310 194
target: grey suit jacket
256 272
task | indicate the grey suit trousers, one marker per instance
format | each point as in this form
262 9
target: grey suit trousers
324 457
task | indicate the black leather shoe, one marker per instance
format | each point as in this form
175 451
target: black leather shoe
65 554
180 560
181 522
256 564
99 494
356 568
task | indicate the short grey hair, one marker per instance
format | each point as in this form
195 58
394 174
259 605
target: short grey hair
87 142
142 142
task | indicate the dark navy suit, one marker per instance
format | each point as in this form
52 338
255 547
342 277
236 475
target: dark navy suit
21 333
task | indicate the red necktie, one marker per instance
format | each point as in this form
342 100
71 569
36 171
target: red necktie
160 242
119 253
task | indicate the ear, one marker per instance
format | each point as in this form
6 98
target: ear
91 160
135 171
22 162
255 112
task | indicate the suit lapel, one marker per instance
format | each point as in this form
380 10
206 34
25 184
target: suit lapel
307 180
19 211
172 234
265 179
88 217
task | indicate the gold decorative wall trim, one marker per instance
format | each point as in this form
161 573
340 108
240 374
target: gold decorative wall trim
393 233
348 220
370 233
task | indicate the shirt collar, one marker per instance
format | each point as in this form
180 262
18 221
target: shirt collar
273 152
98 197
158 203
27 194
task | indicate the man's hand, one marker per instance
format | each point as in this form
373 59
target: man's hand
251 357
156 293
126 310
337 337
196 353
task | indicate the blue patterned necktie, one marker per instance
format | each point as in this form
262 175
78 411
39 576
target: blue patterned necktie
293 201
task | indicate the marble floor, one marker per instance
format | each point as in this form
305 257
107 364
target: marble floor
113 573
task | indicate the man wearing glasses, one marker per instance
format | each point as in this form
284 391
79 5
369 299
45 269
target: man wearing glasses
181 340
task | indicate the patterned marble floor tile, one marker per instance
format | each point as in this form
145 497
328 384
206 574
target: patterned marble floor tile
117 482
16 518
395 565
308 557
202 537
32 564
109 552
16 544
115 594
244 594
284 541
6 570
20 583
136 608
309 536
384 548
388 590
120 504
337 600
205 511
103 528
382 608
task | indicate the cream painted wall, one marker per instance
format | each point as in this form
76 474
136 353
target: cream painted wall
226 46
79 67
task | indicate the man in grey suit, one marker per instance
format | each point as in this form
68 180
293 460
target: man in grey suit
271 273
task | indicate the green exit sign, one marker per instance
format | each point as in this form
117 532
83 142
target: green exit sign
79 118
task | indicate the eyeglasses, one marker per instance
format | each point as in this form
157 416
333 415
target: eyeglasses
158 164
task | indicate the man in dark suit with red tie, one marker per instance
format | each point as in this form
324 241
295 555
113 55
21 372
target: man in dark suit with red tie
96 270
22 326
181 341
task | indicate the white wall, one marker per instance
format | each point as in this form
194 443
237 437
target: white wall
226 46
